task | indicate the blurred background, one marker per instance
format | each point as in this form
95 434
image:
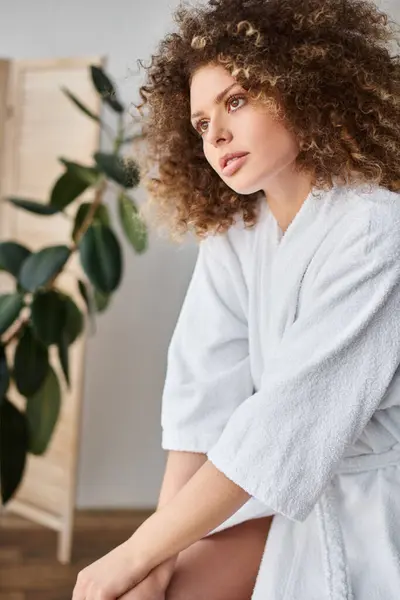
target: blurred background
121 461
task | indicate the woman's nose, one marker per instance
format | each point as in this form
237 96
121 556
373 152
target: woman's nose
218 134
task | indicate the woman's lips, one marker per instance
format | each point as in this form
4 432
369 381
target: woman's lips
233 165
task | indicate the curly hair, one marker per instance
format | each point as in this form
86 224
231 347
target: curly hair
326 66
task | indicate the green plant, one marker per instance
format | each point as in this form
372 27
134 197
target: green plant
38 315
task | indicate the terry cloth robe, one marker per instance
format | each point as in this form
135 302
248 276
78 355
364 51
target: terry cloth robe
283 370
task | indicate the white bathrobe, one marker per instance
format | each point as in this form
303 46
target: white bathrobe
283 369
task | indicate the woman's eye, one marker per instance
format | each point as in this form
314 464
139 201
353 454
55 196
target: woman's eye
230 101
198 126
235 99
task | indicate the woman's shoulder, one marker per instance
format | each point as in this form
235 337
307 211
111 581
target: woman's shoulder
363 222
355 211
379 203
379 212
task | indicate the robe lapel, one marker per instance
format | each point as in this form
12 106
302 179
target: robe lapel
290 256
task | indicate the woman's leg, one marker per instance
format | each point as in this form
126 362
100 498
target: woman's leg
223 566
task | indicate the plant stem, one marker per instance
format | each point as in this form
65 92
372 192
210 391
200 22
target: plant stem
91 212
18 326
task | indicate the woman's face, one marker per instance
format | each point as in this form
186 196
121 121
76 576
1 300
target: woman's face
238 124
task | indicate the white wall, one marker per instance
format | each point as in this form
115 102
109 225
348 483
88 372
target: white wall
121 460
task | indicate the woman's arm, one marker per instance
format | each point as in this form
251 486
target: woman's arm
179 468
203 503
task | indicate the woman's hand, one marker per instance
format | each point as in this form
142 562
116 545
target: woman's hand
154 586
112 575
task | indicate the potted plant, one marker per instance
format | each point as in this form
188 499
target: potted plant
38 314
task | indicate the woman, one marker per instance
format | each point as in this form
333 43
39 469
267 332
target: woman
275 127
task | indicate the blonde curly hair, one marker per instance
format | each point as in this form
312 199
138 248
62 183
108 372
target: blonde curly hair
326 66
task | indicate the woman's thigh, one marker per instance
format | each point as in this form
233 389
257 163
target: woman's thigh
223 566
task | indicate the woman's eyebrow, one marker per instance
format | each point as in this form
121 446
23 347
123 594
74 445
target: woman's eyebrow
217 100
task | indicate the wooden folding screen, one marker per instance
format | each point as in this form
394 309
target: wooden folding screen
38 123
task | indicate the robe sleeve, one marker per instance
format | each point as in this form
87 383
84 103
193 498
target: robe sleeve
322 383
208 371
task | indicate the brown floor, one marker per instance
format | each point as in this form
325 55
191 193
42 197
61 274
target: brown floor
28 566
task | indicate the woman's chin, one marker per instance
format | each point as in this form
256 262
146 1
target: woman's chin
245 188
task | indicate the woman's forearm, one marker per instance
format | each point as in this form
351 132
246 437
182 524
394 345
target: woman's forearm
179 468
204 502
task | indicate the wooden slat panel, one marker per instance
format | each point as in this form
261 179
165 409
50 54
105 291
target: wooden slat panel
41 125
6 281
44 124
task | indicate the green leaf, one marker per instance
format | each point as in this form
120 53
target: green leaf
105 88
101 215
34 206
101 257
42 410
14 443
4 373
123 171
40 267
10 307
101 300
56 318
80 105
134 228
12 255
31 363
63 356
48 313
90 175
74 320
67 188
